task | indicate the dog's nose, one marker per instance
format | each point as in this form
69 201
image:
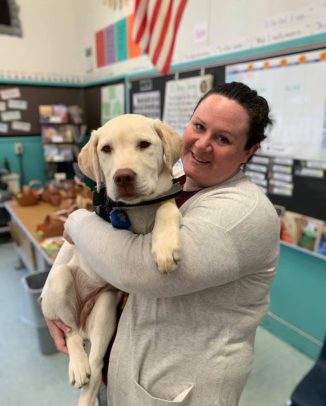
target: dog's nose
124 177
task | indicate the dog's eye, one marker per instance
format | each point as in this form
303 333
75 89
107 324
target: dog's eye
144 144
107 149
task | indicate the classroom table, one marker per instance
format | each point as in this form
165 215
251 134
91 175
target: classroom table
23 225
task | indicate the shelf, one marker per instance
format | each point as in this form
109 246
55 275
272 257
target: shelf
295 247
59 143
53 123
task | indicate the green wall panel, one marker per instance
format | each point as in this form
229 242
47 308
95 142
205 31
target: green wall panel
298 300
32 158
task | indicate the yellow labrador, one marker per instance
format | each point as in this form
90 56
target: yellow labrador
133 156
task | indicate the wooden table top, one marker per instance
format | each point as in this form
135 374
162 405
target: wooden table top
29 217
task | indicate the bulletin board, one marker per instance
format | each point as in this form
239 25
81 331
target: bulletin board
19 113
156 87
141 90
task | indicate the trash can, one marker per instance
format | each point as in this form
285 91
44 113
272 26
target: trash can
32 314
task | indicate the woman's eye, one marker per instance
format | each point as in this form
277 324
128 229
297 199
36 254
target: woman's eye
221 139
106 149
199 127
144 144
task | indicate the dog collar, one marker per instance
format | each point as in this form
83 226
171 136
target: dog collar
112 211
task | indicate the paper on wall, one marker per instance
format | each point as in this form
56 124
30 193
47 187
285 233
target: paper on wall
112 101
2 106
147 103
181 97
10 93
10 115
17 104
3 128
21 126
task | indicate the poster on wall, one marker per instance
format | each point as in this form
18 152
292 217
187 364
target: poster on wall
295 88
112 102
181 97
147 104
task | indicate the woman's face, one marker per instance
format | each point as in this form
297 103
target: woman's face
214 142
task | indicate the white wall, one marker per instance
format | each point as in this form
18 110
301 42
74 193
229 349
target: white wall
56 34
50 46
218 27
215 28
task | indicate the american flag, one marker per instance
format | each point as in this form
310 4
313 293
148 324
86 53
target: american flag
156 24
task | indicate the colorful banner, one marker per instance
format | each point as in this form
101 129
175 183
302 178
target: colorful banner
115 44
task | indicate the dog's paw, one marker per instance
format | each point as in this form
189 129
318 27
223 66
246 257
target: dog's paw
167 255
79 371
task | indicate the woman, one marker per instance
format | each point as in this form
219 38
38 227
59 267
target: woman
187 337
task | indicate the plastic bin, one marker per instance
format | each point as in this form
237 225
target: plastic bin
32 315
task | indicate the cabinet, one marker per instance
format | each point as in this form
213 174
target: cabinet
62 133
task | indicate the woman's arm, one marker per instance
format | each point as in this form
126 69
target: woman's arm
124 259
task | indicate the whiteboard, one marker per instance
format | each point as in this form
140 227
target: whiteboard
295 88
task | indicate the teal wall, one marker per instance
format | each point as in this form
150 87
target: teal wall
33 161
298 301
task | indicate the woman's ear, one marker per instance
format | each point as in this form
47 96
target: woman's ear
251 151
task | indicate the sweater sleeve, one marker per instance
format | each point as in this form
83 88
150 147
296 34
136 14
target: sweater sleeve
124 259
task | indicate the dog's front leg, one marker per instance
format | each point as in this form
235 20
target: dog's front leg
79 369
166 243
100 327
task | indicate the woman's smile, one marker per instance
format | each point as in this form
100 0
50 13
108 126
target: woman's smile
199 159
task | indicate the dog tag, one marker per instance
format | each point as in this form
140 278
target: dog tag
120 219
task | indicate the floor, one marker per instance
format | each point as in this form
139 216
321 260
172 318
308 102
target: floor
29 378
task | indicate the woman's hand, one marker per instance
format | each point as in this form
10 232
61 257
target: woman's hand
58 329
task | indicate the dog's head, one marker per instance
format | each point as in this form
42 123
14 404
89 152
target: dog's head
133 155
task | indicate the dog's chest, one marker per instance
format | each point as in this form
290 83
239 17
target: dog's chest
142 218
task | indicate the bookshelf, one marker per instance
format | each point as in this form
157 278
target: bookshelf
62 131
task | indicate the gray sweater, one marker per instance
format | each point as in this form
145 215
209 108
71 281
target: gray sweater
187 337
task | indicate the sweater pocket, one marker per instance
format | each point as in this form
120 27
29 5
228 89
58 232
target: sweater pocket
144 398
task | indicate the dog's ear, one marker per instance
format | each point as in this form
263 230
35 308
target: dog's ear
172 143
88 160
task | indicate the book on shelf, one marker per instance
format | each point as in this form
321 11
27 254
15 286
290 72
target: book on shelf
54 134
311 230
302 231
322 243
58 153
55 113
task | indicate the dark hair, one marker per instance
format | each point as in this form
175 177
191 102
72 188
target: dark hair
255 105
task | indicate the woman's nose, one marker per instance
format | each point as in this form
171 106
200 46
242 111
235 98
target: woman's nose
204 143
